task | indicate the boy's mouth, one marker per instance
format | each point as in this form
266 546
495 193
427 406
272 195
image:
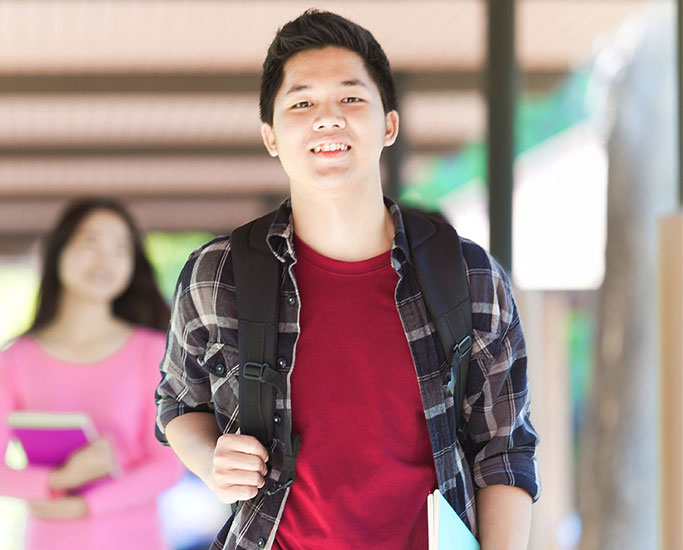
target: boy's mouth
330 148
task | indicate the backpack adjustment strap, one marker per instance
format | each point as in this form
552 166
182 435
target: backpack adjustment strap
263 373
278 487
288 465
461 359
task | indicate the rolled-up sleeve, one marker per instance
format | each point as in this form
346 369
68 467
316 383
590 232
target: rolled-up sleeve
185 386
501 441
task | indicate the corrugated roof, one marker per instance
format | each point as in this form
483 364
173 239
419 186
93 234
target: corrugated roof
157 100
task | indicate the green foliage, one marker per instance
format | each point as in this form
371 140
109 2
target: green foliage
447 174
581 350
538 118
580 333
168 252
17 299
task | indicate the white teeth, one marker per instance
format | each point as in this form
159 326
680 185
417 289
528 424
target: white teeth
327 147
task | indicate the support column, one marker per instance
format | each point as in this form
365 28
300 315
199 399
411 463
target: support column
501 94
671 389
671 345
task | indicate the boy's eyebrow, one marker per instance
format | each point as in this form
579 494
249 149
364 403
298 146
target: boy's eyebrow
297 88
347 83
354 82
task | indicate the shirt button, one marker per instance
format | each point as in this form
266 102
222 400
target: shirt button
261 542
282 362
220 369
277 419
291 300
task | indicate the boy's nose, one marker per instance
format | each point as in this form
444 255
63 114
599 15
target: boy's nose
329 117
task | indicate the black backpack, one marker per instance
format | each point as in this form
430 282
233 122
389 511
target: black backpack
440 269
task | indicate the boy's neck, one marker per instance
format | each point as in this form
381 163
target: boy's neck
343 226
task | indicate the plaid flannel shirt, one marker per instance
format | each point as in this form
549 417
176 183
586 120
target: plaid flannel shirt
199 373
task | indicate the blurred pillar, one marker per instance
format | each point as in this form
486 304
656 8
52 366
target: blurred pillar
544 317
618 497
501 93
679 58
671 369
671 345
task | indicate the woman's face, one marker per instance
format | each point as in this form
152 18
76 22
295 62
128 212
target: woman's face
97 262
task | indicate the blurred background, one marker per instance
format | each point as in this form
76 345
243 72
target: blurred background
156 103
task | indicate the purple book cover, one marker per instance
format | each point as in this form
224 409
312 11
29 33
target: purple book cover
49 439
50 446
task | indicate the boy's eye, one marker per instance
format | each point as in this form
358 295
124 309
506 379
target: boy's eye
301 104
351 100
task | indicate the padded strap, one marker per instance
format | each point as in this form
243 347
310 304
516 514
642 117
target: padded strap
440 267
257 280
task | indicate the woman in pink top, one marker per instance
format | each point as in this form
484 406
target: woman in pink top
94 347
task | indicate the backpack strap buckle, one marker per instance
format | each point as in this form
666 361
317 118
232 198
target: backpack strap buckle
461 352
255 371
461 349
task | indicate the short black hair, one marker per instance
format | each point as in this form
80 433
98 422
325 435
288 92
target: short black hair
316 29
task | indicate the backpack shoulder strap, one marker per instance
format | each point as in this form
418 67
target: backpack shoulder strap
437 256
257 277
257 280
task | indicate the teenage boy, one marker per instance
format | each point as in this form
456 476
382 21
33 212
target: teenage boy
356 347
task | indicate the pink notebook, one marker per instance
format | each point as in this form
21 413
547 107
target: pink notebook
49 438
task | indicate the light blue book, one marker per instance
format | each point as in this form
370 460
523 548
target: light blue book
446 530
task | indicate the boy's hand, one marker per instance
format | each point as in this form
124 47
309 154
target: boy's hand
239 467
92 462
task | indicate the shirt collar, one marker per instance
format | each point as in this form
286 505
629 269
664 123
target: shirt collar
281 233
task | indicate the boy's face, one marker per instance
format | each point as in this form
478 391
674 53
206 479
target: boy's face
329 125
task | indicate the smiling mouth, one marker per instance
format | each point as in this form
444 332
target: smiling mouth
330 148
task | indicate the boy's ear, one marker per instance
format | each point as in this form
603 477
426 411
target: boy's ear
269 138
391 131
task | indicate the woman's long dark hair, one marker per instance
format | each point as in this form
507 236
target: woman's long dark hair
141 303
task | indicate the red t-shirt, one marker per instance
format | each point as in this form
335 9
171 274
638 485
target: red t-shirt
365 466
